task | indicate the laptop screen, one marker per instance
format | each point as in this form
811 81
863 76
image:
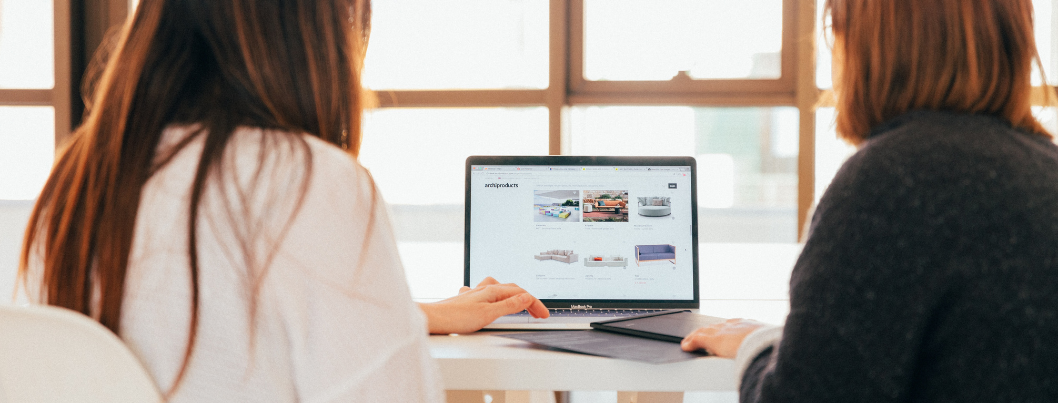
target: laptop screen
584 228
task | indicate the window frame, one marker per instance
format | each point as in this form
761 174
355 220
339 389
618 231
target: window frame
566 84
782 87
796 87
57 97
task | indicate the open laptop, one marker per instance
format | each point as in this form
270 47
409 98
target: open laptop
591 237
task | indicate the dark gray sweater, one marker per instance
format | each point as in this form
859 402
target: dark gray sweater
930 273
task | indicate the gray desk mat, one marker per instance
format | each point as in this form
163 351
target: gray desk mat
606 344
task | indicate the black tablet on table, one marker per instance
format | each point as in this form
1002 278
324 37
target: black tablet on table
671 326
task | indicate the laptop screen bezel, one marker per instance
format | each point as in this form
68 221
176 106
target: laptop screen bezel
593 161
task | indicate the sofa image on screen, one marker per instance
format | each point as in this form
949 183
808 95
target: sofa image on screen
614 205
605 261
554 212
605 206
646 253
562 255
654 206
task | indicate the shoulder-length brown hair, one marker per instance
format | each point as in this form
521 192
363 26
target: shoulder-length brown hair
290 65
895 56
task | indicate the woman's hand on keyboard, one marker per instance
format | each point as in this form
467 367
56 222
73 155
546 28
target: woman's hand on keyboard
721 339
476 307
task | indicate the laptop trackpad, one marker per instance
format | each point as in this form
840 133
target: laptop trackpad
560 319
513 319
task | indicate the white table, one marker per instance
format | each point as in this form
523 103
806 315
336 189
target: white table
737 280
481 361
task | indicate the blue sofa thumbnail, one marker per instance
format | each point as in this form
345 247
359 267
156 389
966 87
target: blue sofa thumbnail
655 252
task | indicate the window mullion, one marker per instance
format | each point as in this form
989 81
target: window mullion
807 98
62 94
26 97
557 89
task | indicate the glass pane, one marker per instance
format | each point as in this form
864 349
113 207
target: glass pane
1045 13
657 39
458 44
417 157
824 55
1045 42
747 160
27 150
831 152
1048 117
27 44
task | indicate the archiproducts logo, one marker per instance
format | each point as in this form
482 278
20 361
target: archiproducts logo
501 185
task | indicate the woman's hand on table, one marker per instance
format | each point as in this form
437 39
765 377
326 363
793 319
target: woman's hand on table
476 307
722 339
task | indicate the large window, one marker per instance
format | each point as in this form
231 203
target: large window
34 92
741 86
725 82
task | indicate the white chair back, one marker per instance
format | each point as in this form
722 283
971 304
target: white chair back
50 354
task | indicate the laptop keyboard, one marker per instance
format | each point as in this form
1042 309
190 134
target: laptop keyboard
572 313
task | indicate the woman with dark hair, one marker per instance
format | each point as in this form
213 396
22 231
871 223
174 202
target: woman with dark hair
930 271
210 211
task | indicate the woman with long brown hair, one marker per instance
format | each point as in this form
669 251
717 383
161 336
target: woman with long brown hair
210 212
930 271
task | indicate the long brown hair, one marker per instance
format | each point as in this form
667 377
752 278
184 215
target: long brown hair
291 65
899 55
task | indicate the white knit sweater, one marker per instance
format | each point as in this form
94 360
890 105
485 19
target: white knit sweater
334 319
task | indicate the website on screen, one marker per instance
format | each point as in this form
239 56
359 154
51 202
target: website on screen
584 232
